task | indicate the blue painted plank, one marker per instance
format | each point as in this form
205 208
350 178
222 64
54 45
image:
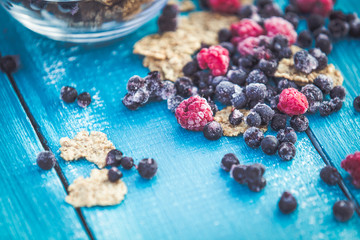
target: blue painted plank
31 200
190 196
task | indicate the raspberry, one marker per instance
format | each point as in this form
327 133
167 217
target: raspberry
352 165
194 113
292 102
251 46
225 6
322 7
216 58
279 26
246 28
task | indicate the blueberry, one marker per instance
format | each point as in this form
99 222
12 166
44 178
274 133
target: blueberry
228 161
338 28
248 62
336 14
253 103
287 135
356 104
253 137
268 67
229 46
135 83
270 10
239 100
113 158
292 8
170 11
253 119
320 57
184 87
254 172
114 174
247 11
299 123
256 76
278 122
255 91
284 83
258 185
127 163
324 82
323 42
84 99
269 145
279 42
326 109
130 103
315 21
355 28
46 160
9 64
304 62
167 90
147 168
338 92
237 76
153 83
213 106
225 90
312 93
330 175
217 80
68 94
236 117
237 172
321 30
287 151
167 24
173 102
284 53
265 112
304 39
274 102
224 35
140 96
336 104
271 92
287 203
343 210
292 18
213 130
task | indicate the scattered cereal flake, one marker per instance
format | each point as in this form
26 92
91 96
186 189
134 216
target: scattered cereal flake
287 70
184 6
96 190
93 147
169 52
230 130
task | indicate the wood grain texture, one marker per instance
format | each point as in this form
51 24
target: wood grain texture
191 197
31 200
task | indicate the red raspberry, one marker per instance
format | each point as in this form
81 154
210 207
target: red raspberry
292 102
225 6
251 46
216 58
352 165
277 25
245 28
194 113
322 7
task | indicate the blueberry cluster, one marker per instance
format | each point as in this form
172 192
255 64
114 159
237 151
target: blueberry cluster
69 95
252 175
9 63
151 88
147 167
167 21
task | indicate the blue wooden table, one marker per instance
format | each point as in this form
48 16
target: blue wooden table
191 197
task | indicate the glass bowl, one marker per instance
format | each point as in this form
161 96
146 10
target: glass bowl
84 21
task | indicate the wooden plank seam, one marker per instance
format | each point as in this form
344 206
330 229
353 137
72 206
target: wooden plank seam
325 157
46 147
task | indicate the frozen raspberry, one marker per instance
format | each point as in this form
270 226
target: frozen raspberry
352 165
322 7
225 6
279 26
252 46
216 58
194 113
292 102
246 28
